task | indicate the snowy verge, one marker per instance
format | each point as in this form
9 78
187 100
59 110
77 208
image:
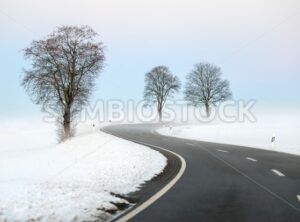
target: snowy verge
256 135
71 181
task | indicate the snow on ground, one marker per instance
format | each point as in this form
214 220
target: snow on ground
286 130
71 181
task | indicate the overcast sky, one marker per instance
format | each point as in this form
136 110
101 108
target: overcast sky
255 42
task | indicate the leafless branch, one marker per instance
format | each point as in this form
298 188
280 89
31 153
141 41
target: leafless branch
64 67
205 87
160 85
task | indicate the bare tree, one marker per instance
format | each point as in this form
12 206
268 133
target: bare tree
205 87
160 84
64 67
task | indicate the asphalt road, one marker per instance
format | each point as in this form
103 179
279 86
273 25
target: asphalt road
222 182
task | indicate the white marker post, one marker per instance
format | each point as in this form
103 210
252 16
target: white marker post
171 129
273 141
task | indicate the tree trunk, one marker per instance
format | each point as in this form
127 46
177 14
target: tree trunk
159 110
207 110
160 115
67 124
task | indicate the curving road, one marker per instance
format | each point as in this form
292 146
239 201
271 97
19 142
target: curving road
222 182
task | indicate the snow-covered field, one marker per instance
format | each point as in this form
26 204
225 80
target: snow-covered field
285 129
72 181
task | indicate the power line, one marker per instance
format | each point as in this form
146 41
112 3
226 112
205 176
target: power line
272 29
17 22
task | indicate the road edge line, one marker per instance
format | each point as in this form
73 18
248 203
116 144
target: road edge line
130 214
161 192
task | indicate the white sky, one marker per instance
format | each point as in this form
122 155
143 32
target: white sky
256 42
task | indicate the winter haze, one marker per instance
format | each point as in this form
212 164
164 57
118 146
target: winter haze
92 175
256 43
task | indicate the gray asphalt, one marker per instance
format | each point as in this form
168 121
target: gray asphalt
222 186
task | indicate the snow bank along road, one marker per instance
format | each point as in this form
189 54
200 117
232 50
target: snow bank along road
222 182
85 178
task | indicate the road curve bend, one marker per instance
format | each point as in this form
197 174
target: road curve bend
221 182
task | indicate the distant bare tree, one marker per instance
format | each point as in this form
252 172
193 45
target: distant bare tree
63 71
160 84
205 87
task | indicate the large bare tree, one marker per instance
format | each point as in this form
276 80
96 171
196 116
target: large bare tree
160 85
204 86
64 66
